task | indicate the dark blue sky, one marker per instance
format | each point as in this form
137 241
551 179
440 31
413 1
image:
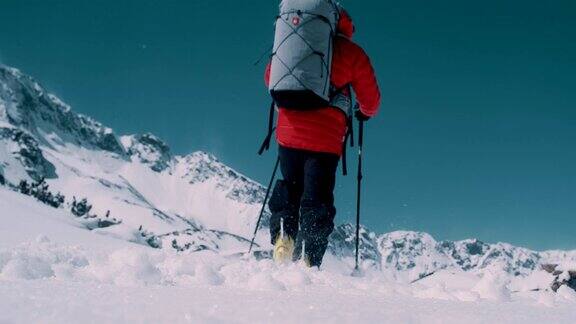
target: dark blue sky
477 132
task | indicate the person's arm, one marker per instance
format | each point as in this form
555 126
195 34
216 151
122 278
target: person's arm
365 84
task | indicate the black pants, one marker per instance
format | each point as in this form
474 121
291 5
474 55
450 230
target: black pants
304 201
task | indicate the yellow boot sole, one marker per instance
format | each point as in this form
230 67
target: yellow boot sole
283 250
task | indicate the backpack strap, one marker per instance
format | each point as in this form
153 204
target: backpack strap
266 143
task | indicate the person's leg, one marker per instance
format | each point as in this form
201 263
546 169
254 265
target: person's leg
317 209
285 200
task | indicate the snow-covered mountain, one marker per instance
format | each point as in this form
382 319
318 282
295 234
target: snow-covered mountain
192 202
133 178
420 254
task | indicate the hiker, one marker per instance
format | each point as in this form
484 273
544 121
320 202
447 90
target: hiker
311 143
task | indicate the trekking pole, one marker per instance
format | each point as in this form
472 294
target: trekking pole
359 191
264 203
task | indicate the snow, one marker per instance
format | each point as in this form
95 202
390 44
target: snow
14 71
57 100
567 293
52 301
10 166
53 271
494 286
423 257
3 113
162 202
24 220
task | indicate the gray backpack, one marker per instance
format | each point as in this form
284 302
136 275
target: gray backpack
302 62
302 54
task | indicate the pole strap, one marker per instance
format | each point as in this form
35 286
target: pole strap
349 136
266 143
344 158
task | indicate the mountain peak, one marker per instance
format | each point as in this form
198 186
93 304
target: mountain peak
25 104
204 156
14 71
149 150
201 167
411 236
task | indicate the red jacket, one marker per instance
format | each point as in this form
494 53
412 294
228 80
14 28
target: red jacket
323 130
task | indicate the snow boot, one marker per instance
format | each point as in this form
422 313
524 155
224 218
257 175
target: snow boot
316 225
284 218
283 249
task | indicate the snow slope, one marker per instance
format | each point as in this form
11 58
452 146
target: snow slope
53 271
23 219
